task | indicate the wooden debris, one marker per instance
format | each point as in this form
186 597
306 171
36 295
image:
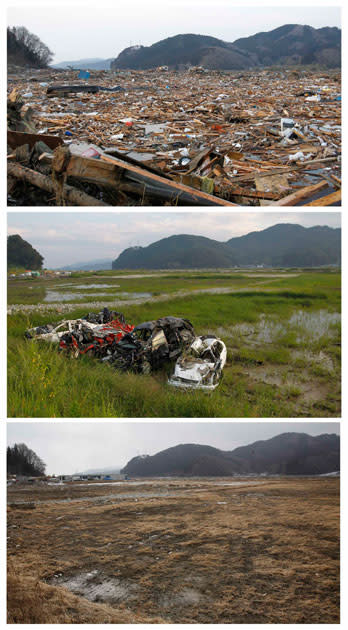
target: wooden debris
300 195
221 127
71 195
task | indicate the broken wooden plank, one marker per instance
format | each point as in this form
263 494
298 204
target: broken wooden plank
18 138
181 192
300 195
276 184
329 200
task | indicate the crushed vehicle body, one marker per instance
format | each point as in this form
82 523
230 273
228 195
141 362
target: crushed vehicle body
201 366
107 336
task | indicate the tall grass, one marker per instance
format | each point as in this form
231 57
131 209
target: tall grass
45 383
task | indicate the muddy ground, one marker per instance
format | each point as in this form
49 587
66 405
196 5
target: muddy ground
263 550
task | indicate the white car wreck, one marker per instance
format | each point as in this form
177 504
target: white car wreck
200 367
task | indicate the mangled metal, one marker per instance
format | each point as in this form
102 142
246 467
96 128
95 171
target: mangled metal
107 336
201 366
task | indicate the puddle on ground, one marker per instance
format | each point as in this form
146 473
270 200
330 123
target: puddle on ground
315 324
89 286
319 358
96 587
308 326
133 295
58 296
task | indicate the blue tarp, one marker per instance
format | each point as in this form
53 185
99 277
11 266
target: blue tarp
83 74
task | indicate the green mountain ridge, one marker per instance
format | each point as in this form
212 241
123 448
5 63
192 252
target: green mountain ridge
282 245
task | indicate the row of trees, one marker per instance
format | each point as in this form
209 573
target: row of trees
21 460
25 47
21 254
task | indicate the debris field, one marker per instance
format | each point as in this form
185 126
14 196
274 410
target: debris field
158 137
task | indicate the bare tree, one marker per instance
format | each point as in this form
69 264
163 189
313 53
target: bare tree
31 44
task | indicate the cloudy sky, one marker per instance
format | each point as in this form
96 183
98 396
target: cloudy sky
65 238
84 29
69 447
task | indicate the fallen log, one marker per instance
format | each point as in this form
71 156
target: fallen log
72 195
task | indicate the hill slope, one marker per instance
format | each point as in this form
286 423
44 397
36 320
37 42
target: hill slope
289 245
175 252
21 254
186 49
295 44
288 453
287 45
282 245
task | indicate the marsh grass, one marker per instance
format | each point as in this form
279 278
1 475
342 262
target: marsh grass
278 328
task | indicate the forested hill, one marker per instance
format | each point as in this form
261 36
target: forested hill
291 44
282 245
288 454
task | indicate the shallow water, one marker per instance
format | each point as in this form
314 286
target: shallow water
89 286
60 296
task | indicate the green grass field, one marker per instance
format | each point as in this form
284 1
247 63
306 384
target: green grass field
282 332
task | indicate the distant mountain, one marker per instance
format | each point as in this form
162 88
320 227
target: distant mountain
95 63
185 50
287 45
282 245
175 252
92 265
295 44
289 245
287 454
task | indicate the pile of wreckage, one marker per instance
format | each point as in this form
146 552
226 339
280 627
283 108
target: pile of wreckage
143 348
151 137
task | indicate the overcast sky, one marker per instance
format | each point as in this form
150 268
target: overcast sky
69 447
65 238
76 30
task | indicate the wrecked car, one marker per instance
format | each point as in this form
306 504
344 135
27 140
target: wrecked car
107 336
152 343
201 366
94 332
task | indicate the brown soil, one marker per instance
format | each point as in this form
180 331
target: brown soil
263 552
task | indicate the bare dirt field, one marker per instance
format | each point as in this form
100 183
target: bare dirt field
223 550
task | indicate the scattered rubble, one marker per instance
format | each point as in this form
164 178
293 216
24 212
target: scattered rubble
261 137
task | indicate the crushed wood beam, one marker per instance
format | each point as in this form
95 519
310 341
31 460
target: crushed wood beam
329 200
300 195
121 175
